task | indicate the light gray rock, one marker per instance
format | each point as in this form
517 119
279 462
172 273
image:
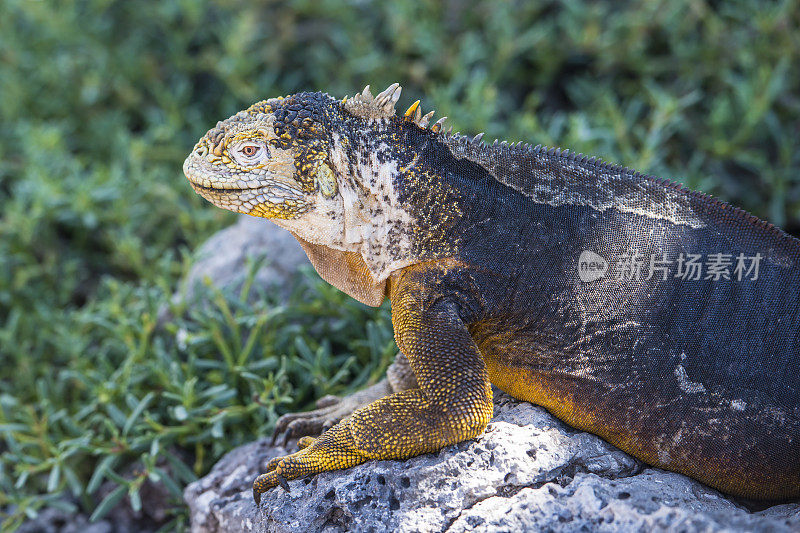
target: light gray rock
653 500
223 257
528 471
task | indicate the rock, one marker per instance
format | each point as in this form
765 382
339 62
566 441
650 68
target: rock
223 257
528 471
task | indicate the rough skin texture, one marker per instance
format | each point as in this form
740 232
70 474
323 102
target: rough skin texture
482 251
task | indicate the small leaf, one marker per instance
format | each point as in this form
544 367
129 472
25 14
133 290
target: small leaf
170 483
54 478
99 472
22 479
183 472
154 447
136 500
108 503
137 411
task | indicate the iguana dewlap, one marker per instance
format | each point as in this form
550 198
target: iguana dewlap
661 319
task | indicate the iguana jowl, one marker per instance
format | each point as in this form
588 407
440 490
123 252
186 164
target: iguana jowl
480 249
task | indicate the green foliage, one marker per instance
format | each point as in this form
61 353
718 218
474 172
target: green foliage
172 402
100 100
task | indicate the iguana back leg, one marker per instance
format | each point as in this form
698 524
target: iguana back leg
453 402
332 409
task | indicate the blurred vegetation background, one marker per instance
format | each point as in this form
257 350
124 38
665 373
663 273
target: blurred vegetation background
100 101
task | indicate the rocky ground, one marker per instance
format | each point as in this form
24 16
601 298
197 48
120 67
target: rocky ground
528 472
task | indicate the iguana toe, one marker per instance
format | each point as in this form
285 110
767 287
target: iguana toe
305 427
335 449
305 442
330 411
327 401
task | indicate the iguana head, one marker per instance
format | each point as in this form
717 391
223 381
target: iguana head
272 160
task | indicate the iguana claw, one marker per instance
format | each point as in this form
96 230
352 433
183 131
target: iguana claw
293 425
263 484
282 482
258 487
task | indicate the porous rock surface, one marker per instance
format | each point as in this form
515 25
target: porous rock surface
528 471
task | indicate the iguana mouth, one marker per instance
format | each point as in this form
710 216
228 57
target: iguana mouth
270 192
229 190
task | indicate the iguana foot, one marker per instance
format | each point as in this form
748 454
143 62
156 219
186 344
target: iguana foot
398 426
330 411
334 450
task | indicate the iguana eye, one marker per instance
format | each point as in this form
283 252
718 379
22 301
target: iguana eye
250 150
250 153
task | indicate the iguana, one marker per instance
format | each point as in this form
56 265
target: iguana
661 319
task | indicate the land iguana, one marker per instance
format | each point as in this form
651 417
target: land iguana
661 319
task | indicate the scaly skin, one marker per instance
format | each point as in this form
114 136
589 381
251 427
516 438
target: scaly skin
478 249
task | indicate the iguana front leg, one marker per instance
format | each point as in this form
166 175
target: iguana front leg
453 402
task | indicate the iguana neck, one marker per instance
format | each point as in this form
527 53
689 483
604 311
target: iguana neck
375 162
